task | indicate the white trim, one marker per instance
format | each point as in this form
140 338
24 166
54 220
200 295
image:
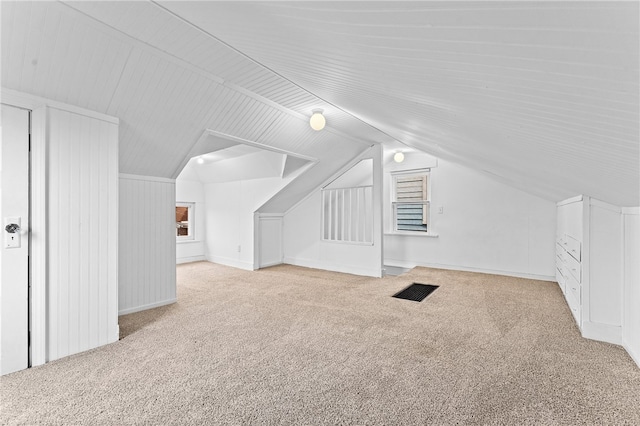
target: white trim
602 332
188 241
190 259
571 200
145 178
266 265
38 242
269 215
634 356
234 263
25 100
410 172
145 307
255 144
412 234
597 203
630 210
405 264
332 266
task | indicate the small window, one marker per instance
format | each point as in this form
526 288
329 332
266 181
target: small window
184 221
411 201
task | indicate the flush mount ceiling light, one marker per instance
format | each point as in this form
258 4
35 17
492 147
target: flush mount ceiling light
398 157
317 120
200 160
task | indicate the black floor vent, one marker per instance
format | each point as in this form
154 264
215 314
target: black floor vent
416 292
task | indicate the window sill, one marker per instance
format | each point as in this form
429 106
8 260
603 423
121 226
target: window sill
187 241
413 234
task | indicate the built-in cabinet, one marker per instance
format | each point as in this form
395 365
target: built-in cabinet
589 263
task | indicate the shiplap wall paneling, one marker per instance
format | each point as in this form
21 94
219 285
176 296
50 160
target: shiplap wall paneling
147 274
83 233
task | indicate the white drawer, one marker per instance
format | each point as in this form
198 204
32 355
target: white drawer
574 306
560 278
573 247
574 267
574 288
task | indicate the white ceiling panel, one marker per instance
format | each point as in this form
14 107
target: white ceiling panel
543 95
46 51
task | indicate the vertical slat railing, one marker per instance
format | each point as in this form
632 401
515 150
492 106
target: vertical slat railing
347 214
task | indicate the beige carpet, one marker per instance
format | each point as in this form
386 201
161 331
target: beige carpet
289 345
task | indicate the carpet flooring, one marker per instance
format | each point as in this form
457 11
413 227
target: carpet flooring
291 345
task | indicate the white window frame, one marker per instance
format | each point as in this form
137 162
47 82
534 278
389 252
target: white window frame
190 223
425 203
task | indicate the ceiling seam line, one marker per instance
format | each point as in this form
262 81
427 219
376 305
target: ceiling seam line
271 70
217 79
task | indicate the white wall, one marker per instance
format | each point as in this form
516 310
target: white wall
189 191
82 233
631 295
485 226
303 244
147 249
229 218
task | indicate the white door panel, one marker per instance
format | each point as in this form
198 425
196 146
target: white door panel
14 208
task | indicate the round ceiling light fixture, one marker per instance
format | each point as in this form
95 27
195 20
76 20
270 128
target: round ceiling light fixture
398 157
200 160
317 120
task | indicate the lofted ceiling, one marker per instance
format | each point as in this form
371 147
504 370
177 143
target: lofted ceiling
541 95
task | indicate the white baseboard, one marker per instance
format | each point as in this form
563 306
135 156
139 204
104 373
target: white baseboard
235 263
602 332
145 307
266 265
405 264
633 354
347 269
190 259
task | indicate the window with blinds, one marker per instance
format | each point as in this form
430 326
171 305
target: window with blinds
411 201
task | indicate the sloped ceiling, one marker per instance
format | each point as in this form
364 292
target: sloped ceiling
543 96
167 83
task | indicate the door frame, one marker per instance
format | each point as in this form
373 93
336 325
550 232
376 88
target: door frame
38 174
16 351
38 224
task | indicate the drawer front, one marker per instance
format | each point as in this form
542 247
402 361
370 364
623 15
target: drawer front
560 279
574 288
573 247
574 306
574 267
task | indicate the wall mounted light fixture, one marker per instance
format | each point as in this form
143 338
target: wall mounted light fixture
398 157
317 120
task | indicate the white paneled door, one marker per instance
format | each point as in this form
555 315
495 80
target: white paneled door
14 207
